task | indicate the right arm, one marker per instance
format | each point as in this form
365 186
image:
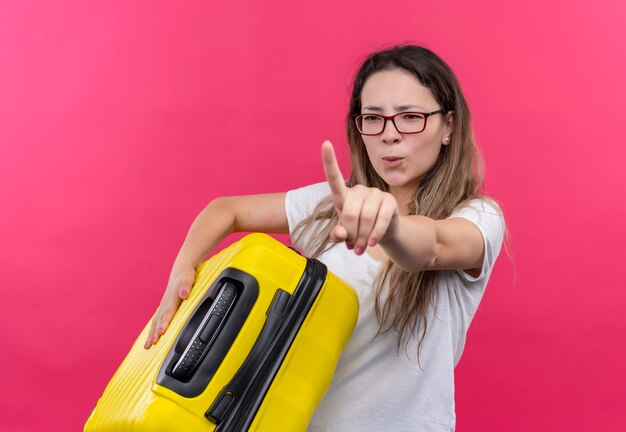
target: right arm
221 217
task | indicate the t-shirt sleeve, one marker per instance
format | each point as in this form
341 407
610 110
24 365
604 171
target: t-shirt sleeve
300 203
486 215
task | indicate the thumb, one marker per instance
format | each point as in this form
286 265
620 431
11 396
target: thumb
338 234
184 288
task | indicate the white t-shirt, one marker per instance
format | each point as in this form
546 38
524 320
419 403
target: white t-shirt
374 387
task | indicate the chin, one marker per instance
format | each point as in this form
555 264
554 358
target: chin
395 179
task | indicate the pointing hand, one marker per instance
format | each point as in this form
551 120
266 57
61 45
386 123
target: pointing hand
366 215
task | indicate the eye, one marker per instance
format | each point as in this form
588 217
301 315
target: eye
412 117
371 118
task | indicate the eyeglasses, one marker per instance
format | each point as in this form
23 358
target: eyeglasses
404 122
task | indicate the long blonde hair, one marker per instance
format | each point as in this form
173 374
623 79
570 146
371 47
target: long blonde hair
455 178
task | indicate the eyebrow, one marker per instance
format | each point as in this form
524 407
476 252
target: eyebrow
397 108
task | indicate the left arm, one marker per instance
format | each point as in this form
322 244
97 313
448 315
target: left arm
421 243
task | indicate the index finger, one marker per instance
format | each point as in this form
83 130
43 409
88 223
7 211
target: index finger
333 174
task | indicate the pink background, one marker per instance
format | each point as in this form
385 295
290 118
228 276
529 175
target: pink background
120 121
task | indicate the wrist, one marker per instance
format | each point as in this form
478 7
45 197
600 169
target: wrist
183 263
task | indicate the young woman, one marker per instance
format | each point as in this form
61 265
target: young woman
409 231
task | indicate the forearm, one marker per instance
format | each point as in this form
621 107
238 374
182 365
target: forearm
211 226
414 245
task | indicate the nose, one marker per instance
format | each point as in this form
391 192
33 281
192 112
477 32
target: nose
390 133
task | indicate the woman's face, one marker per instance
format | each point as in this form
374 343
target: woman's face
390 92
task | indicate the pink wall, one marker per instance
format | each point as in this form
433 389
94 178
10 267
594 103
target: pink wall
120 120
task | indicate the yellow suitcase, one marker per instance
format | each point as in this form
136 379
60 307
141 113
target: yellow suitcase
253 348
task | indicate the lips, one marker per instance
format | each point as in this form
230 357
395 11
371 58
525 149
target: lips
392 162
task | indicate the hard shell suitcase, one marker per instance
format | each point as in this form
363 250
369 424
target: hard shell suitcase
253 348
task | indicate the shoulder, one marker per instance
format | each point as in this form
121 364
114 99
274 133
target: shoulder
301 202
483 204
483 211
487 215
321 188
307 197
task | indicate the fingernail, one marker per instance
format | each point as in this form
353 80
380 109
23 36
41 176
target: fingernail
184 293
349 246
359 250
372 242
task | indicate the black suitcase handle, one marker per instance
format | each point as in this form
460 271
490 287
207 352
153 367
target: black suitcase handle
205 333
236 292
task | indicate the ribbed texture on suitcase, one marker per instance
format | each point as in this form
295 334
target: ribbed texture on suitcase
125 399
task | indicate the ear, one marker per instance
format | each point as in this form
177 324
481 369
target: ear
448 128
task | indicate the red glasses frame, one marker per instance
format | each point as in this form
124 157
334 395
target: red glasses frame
393 120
